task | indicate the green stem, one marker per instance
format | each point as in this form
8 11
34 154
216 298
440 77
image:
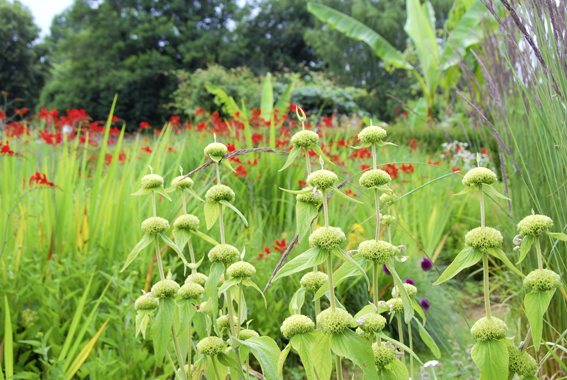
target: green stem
308 163
216 368
374 156
331 286
377 203
218 173
486 284
411 348
539 255
192 254
239 305
389 230
338 367
172 364
526 341
401 333
228 299
325 208
221 224
190 345
317 309
154 203
375 284
248 368
184 202
482 216
158 258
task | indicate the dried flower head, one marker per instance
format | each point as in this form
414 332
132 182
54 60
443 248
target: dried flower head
310 198
327 238
396 305
373 323
297 324
313 280
542 280
241 269
305 139
191 290
224 253
322 179
211 346
155 225
216 149
387 199
384 354
374 178
165 289
182 183
219 193
246 334
197 278
489 329
151 181
372 134
388 220
520 362
479 176
186 222
484 238
379 251
334 322
146 302
534 225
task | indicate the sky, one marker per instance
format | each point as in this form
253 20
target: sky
44 10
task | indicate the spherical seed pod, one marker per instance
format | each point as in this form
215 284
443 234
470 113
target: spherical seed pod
219 193
410 289
191 290
379 251
520 362
305 139
396 305
489 329
479 176
327 238
211 346
384 354
387 199
372 135
297 324
310 198
542 280
246 334
165 289
334 322
373 323
155 225
313 280
374 178
182 183
484 238
241 269
197 278
224 253
216 149
223 322
534 225
186 222
322 179
151 181
146 302
388 220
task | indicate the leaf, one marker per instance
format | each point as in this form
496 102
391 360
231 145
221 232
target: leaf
161 191
181 237
228 165
322 358
228 361
211 213
356 348
84 354
466 190
186 311
172 245
492 359
525 246
342 255
557 235
497 252
142 191
267 103
205 237
251 284
419 310
304 191
307 259
428 340
401 345
297 301
222 99
361 146
535 305
267 352
341 194
193 193
215 272
465 259
146 240
161 328
317 149
228 284
359 32
283 102
282 358
386 374
229 205
399 370
408 309
142 321
305 214
494 192
305 345
293 153
8 341
345 271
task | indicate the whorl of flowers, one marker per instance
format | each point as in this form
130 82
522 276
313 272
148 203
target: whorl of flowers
387 199
310 198
190 290
246 334
489 329
334 322
186 222
384 354
219 193
223 322
327 238
211 346
542 280
410 289
297 324
197 278
305 139
182 183
479 176
155 225
313 280
165 289
322 179
372 134
374 178
484 238
151 181
387 220
378 250
396 305
520 362
372 323
146 302
241 269
216 149
534 225
224 253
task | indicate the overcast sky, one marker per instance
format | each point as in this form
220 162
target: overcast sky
44 10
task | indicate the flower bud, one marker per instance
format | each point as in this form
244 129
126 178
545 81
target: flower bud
197 278
534 225
211 346
224 253
151 181
542 280
379 251
334 322
410 289
165 289
387 199
396 305
313 280
520 362
241 270
186 222
489 329
223 323
219 193
216 149
372 134
191 290
479 176
322 179
155 225
146 302
305 139
384 354
310 198
484 238
246 334
374 178
327 238
373 323
387 220
182 183
297 324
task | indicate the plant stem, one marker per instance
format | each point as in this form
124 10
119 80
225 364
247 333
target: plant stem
190 345
375 284
216 368
486 284
218 173
401 334
308 163
411 348
184 202
154 203
482 216
172 364
158 258
389 230
377 202
221 224
338 367
248 368
192 254
331 286
228 299
374 156
526 341
325 208
239 305
539 255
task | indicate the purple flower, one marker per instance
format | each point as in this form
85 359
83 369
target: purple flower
425 305
385 269
426 264
409 281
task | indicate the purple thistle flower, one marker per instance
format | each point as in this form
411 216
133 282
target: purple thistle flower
409 281
426 264
425 305
385 269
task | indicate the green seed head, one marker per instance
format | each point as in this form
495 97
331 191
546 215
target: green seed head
241 269
155 225
388 220
297 324
224 253
372 323
520 362
374 178
219 193
489 329
484 238
186 222
310 198
211 346
305 139
372 134
322 179
479 176
379 251
216 150
182 183
223 323
542 280
152 181
198 278
313 280
191 290
334 322
165 289
246 334
396 305
534 225
327 238
410 289
384 354
387 200
146 302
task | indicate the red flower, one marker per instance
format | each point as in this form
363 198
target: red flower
241 171
398 111
6 151
147 149
201 126
51 138
157 132
350 193
327 121
199 111
405 114
145 125
408 169
280 246
364 167
413 143
40 179
45 114
455 169
302 183
253 163
174 121
114 118
231 147
3 115
257 138
484 151
392 170
437 163
235 159
21 111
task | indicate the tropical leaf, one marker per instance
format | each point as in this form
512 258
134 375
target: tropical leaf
222 99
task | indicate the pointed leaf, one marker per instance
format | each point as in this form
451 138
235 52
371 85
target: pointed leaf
428 340
161 328
340 193
142 191
228 284
342 255
317 149
293 153
297 301
172 245
401 345
229 205
251 284
498 253
194 194
205 237
307 259
361 146
466 190
211 213
557 235
525 246
419 310
181 237
228 361
142 320
494 192
282 358
186 311
535 305
283 102
492 359
267 352
305 215
356 348
305 345
408 308
322 357
267 103
161 191
465 259
304 191
146 240
345 271
215 272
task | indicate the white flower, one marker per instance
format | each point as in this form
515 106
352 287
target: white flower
431 363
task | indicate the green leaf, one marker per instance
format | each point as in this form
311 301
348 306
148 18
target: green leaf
492 359
142 191
181 237
399 370
228 284
307 259
142 321
305 215
317 149
386 374
282 358
205 237
342 255
228 165
428 340
161 328
557 235
361 146
419 310
494 192
210 373
186 311
341 194
211 213
228 361
172 245
250 283
408 308
8 341
535 305
297 301
356 348
525 246
384 143
305 345
215 272
222 99
267 352
194 194
293 153
465 259
146 240
322 358
283 102
161 191
401 345
498 253
345 271
229 205
267 103
466 190
304 191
